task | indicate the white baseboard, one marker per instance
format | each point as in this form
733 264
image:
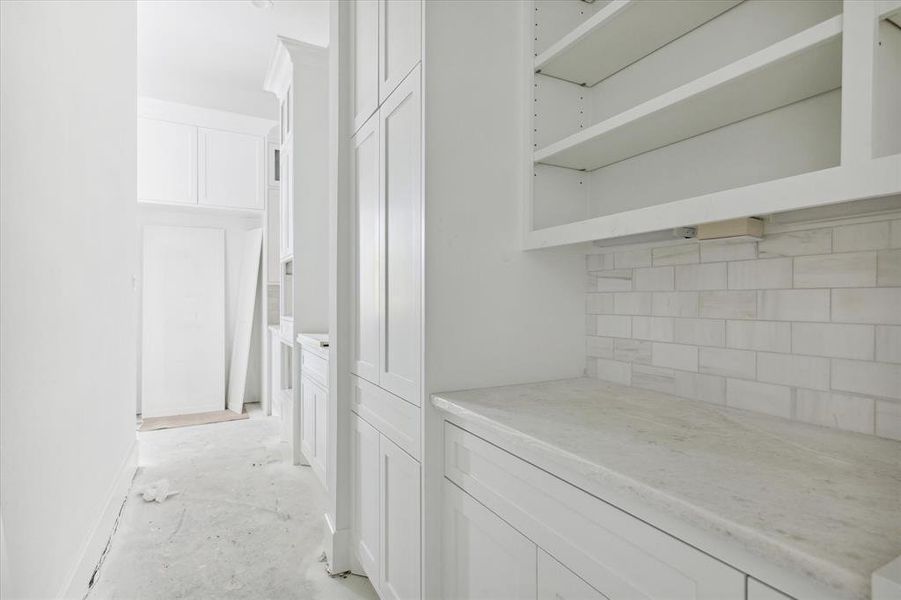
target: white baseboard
76 586
338 549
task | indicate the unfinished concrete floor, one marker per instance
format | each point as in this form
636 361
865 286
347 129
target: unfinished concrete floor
245 523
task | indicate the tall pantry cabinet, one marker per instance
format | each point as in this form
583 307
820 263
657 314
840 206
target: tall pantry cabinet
432 291
386 275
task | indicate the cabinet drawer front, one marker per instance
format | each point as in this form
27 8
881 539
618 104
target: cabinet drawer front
314 366
396 419
613 551
759 591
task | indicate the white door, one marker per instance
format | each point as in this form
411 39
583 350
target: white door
231 169
167 162
484 557
400 510
556 582
365 42
400 43
365 194
401 243
183 317
365 452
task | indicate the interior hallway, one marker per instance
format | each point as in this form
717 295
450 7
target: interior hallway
245 523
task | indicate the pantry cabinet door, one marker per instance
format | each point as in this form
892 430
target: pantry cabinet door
484 557
167 162
401 240
365 42
400 42
365 453
366 223
400 524
231 169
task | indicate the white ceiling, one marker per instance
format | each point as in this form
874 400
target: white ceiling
215 52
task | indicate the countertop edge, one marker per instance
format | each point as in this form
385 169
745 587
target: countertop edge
701 527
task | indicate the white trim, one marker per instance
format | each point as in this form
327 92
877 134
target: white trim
76 584
162 110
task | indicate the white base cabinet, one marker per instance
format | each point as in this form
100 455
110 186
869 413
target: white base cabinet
386 492
612 551
314 397
484 557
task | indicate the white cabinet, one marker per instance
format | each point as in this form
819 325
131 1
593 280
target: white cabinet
400 262
231 169
365 451
760 591
400 43
484 557
387 204
386 490
399 572
314 405
286 202
607 547
365 194
556 582
167 162
365 42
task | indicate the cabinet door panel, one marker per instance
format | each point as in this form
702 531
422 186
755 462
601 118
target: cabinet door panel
484 558
400 42
321 400
759 591
365 194
308 418
365 452
556 582
231 169
400 526
167 162
365 41
401 231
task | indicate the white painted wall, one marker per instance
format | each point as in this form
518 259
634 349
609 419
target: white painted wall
234 225
67 307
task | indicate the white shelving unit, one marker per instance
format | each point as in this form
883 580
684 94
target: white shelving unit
795 115
804 65
606 42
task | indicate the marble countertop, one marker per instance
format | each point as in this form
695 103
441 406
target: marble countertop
821 503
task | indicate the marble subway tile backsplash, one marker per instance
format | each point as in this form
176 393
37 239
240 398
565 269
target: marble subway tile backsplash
804 324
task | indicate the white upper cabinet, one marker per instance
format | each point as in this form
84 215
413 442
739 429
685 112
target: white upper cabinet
365 42
198 156
365 194
231 169
401 244
400 42
167 162
484 557
399 576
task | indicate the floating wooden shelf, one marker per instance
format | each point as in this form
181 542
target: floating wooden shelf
621 33
804 65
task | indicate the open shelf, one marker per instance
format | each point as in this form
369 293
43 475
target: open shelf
878 178
804 65
621 33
